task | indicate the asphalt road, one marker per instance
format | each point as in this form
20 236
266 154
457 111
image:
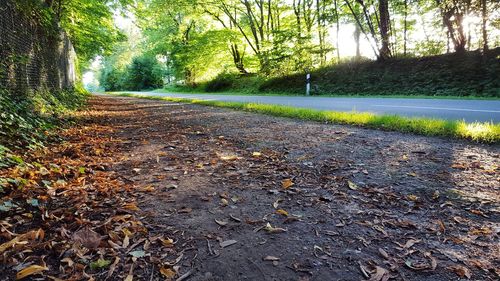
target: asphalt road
468 110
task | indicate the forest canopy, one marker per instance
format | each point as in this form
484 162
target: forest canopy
197 40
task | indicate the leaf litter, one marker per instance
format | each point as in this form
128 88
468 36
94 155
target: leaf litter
96 206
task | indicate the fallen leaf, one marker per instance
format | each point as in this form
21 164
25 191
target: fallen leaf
185 211
433 260
383 253
100 263
224 202
271 258
352 185
167 272
269 228
282 212
287 183
137 254
34 234
30 270
221 223
256 154
87 238
412 197
381 274
167 242
461 271
131 206
228 243
410 243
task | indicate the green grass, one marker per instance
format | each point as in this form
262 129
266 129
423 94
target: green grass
485 132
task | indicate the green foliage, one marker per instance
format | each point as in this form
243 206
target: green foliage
222 82
112 79
144 72
25 123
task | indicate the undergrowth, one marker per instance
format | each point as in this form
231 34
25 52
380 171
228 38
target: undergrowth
27 122
461 75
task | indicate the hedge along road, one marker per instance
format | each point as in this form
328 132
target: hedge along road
450 109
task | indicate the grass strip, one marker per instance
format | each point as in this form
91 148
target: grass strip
485 132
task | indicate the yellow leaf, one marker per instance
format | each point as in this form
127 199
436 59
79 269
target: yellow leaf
168 242
30 270
412 197
256 154
352 185
167 272
287 183
34 234
282 212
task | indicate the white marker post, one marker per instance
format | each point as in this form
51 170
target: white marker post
308 84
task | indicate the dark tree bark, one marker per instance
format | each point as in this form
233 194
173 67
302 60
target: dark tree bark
238 59
484 13
385 23
454 12
405 27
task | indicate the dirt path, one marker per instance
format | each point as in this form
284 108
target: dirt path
227 195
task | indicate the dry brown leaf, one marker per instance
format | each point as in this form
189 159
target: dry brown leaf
461 271
131 206
269 228
433 260
287 183
381 274
126 241
167 272
34 234
410 243
113 267
87 238
30 270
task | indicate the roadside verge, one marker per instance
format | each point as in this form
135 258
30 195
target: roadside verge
485 132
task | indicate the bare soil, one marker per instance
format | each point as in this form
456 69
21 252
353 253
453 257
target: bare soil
250 197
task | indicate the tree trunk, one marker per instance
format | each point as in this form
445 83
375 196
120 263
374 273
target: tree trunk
357 35
385 51
405 28
238 59
484 13
337 29
319 18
